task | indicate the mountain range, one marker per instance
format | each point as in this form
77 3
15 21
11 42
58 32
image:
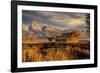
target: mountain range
41 30
45 31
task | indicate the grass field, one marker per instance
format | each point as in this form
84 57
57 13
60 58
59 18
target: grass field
37 53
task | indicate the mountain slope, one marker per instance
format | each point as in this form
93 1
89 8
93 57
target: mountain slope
41 30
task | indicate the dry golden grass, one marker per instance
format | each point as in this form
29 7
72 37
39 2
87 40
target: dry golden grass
35 54
41 52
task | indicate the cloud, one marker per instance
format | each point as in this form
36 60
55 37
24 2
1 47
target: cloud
76 22
58 19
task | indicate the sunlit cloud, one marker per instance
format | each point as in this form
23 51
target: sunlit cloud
76 22
62 20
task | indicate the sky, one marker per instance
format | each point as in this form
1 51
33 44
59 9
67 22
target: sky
62 20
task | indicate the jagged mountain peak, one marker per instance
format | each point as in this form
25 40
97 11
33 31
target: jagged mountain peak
42 30
36 26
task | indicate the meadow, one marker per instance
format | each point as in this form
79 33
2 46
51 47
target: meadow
41 52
